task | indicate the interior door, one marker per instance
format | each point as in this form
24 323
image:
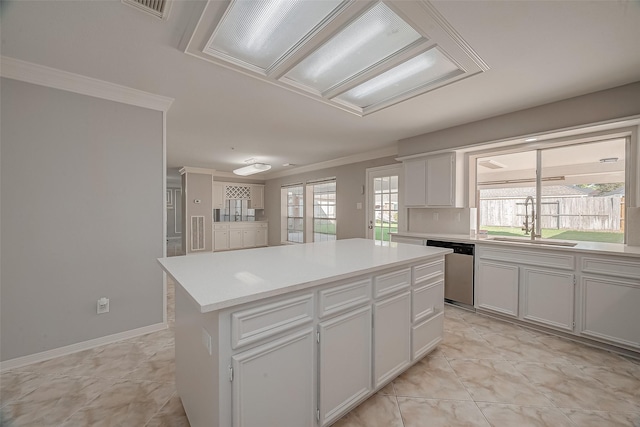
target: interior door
383 202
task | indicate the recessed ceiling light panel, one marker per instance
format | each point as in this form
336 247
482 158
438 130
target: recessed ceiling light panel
374 36
259 33
424 69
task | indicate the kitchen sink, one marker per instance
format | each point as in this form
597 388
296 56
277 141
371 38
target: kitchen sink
533 242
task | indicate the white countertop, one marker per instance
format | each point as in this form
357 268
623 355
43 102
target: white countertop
590 247
225 279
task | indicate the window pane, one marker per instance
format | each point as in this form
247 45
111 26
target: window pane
324 211
295 213
583 190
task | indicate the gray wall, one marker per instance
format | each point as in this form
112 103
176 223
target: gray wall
349 181
622 101
81 218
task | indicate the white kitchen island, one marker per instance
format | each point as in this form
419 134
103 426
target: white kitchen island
298 335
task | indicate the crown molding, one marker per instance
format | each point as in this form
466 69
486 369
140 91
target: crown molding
29 72
191 169
361 157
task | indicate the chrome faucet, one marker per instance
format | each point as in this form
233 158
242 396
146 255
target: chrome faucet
526 228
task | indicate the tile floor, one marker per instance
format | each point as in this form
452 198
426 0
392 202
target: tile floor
485 373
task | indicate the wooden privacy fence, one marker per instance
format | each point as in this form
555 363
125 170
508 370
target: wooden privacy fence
570 213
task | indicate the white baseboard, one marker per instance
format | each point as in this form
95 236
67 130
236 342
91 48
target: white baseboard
74 348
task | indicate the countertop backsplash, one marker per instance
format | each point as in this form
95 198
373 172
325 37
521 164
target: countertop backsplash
442 220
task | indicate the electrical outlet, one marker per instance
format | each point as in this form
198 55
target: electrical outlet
103 305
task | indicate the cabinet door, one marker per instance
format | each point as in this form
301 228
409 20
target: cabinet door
344 362
440 180
249 238
273 385
610 310
257 197
497 287
415 176
261 236
221 240
392 337
548 297
235 238
218 195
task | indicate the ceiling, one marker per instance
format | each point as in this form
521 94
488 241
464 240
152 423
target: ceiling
537 51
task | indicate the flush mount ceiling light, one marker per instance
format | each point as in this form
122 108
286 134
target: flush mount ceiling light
359 56
252 169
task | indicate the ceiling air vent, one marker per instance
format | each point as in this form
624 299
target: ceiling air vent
157 8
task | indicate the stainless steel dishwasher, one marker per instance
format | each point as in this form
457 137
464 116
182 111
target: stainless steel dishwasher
458 275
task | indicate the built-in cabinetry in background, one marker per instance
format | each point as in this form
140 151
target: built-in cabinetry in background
223 191
239 235
593 296
434 181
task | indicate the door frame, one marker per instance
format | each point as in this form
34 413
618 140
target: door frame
376 172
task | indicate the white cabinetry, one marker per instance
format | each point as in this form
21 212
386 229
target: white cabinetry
610 290
392 320
220 237
239 235
434 181
218 195
249 237
548 297
257 197
235 237
497 287
344 362
262 235
274 383
534 285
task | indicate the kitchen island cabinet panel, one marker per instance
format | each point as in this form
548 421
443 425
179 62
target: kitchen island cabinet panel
344 362
392 338
272 377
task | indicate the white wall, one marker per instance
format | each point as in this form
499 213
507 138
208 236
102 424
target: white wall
81 218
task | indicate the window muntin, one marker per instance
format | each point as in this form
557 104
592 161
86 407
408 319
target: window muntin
324 211
385 208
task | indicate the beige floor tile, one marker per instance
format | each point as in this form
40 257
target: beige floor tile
160 367
486 325
14 385
581 354
387 390
126 403
602 419
568 387
432 378
377 411
170 415
522 348
467 345
497 381
500 415
440 413
54 401
453 324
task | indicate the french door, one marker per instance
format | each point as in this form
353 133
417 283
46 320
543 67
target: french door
383 202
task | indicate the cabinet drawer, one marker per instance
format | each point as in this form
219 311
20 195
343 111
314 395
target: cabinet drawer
220 226
427 301
612 267
248 326
430 272
426 335
390 283
341 298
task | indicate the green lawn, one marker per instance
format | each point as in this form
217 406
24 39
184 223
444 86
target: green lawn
383 233
591 236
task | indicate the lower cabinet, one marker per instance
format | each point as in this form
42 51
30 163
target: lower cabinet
235 238
392 337
548 297
496 287
344 362
249 238
272 377
239 235
221 240
611 310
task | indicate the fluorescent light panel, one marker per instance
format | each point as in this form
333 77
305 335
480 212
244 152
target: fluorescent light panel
417 72
374 36
259 33
252 169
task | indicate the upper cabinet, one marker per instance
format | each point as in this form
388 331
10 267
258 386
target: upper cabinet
257 197
218 195
434 181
